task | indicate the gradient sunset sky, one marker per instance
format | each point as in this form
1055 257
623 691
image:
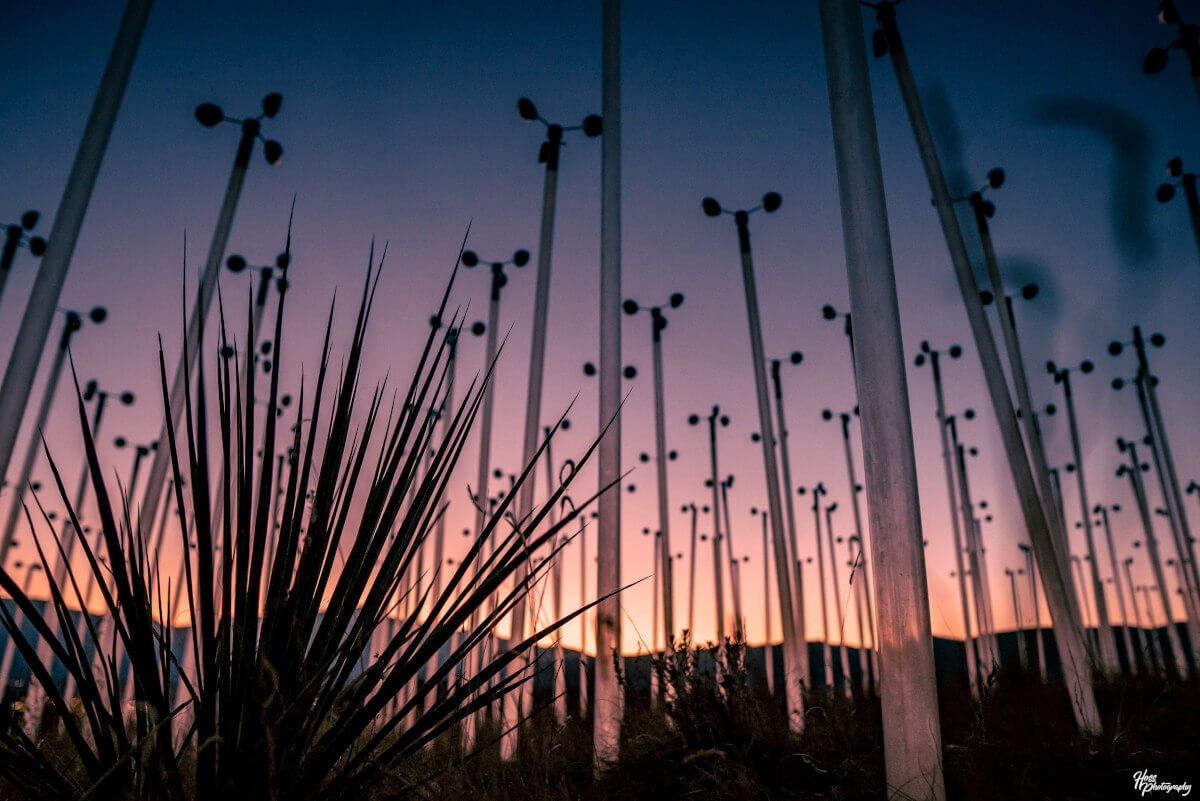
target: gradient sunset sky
399 122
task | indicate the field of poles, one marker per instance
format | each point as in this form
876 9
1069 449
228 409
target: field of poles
268 604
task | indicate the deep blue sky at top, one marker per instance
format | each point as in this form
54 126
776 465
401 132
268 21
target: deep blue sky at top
399 122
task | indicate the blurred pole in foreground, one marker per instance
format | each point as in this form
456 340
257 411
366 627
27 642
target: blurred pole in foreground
60 244
607 705
1064 612
912 743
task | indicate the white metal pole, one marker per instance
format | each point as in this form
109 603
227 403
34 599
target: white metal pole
987 643
1108 642
735 582
768 661
912 744
1039 643
793 635
195 326
60 245
1151 650
843 657
1139 490
826 647
1063 611
692 579
1112 555
793 552
864 654
955 527
718 574
17 489
518 703
607 700
667 584
1018 629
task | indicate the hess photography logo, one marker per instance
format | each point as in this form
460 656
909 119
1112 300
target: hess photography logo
1145 783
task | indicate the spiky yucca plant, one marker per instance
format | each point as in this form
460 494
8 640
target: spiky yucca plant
278 704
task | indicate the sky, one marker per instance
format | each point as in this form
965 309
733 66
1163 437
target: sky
399 124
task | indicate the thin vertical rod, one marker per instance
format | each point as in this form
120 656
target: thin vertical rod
718 582
735 586
667 585
768 662
827 648
692 578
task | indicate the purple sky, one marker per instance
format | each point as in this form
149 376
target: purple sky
399 123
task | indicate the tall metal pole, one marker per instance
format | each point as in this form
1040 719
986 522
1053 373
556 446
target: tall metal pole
735 582
843 656
1020 379
17 489
955 527
517 703
1019 631
793 634
485 451
865 655
1081 582
607 700
1063 610
191 350
912 745
1112 555
60 245
1149 601
1170 479
1139 491
1150 647
718 583
768 661
987 634
793 553
692 578
657 323
439 536
1107 634
1039 643
863 602
985 584
826 646
1152 442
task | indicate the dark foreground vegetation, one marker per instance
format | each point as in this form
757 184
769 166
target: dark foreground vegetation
721 736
